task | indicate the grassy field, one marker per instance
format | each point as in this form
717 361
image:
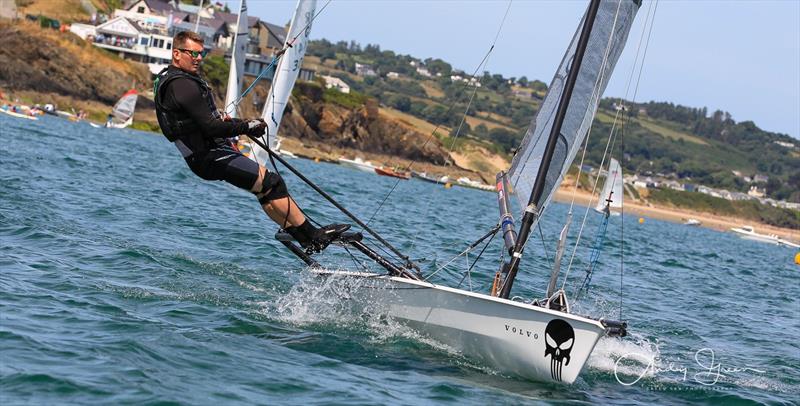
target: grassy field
668 132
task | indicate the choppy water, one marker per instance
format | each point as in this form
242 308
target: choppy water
125 279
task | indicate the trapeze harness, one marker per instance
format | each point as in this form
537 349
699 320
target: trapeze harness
208 151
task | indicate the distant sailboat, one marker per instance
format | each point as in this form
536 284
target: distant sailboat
236 72
285 75
122 113
611 195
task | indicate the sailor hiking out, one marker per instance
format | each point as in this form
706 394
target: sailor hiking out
189 118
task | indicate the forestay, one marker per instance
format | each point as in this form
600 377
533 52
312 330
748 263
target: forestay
606 41
238 50
286 73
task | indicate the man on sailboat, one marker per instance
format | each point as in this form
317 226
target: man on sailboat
189 118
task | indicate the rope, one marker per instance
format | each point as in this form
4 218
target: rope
596 97
289 44
491 233
483 61
612 140
635 92
469 270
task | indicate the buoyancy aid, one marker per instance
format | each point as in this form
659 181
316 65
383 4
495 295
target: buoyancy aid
175 124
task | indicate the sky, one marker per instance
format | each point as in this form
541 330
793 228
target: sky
739 56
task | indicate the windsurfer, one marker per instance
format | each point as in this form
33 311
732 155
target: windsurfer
189 118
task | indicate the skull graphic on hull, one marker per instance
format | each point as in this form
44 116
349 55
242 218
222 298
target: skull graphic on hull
559 338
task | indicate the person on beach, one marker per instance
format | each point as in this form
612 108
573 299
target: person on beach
189 118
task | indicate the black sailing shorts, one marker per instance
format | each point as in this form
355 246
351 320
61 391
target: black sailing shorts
225 163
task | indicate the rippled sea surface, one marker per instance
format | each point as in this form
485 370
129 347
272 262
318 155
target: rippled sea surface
126 279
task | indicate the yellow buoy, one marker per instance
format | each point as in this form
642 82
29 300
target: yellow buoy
641 220
448 185
316 160
797 258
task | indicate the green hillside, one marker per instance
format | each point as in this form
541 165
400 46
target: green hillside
683 143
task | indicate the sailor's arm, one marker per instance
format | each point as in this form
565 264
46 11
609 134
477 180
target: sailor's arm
188 97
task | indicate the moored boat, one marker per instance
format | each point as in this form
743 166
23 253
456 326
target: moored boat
393 173
467 182
749 233
18 115
357 163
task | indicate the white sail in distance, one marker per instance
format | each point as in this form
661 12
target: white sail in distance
286 74
123 110
606 41
238 51
612 188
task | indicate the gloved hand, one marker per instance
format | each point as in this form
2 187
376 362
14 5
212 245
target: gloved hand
255 128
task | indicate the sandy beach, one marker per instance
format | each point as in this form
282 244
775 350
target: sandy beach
675 215
564 194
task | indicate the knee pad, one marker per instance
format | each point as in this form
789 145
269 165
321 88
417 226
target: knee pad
272 188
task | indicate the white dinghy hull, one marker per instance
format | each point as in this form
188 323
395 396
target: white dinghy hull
511 337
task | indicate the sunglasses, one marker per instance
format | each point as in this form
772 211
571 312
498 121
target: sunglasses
194 54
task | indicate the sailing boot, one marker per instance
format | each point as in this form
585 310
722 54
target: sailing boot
314 239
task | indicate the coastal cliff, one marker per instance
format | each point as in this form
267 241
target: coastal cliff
48 61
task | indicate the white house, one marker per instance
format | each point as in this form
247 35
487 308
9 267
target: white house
335 83
424 72
364 70
131 41
392 75
755 192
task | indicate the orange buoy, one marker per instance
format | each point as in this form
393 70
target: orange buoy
797 258
641 220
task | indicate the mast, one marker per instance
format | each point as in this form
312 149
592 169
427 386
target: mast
532 210
197 22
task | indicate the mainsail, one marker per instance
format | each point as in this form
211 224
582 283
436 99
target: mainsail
606 41
286 73
122 112
238 50
611 194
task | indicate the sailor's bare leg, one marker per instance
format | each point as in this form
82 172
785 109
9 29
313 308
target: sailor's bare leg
285 211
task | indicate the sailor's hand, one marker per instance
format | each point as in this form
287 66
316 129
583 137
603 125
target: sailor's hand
281 52
255 128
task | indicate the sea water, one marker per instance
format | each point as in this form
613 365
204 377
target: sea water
126 279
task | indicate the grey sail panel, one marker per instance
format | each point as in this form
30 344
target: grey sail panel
606 41
125 106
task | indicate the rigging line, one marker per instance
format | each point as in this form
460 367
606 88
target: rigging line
625 116
447 114
275 58
491 232
289 44
336 204
638 80
596 95
467 272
